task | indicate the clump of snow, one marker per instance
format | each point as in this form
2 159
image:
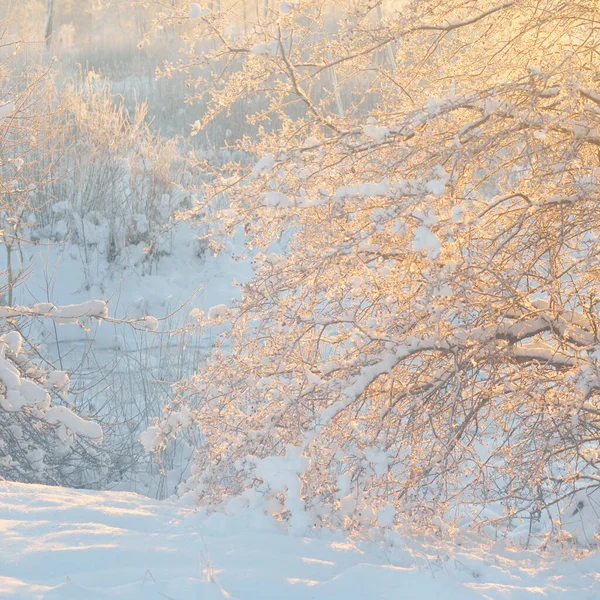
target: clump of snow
19 391
310 142
36 459
149 323
437 187
282 474
379 460
150 439
61 314
269 49
217 312
33 393
385 516
73 312
375 132
275 199
343 483
264 164
425 239
14 341
458 214
364 190
73 422
58 380
180 418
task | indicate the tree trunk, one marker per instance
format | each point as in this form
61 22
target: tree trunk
49 19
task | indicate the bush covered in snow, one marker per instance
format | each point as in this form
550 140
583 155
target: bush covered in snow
41 438
425 345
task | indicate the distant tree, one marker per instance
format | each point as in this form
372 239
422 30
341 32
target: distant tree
49 26
423 341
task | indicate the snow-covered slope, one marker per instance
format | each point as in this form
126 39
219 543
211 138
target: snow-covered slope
79 545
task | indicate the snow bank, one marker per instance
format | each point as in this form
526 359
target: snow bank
64 544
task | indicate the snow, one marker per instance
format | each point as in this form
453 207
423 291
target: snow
19 391
216 312
149 323
73 422
13 340
364 190
580 517
58 380
425 239
128 291
275 199
150 439
72 312
375 132
310 142
385 516
282 474
61 314
61 544
264 164
436 186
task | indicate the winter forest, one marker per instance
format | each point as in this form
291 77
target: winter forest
299 299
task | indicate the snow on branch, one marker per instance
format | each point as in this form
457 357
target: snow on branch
61 314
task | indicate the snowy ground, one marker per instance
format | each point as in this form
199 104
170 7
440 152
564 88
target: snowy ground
57 273
80 545
120 374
